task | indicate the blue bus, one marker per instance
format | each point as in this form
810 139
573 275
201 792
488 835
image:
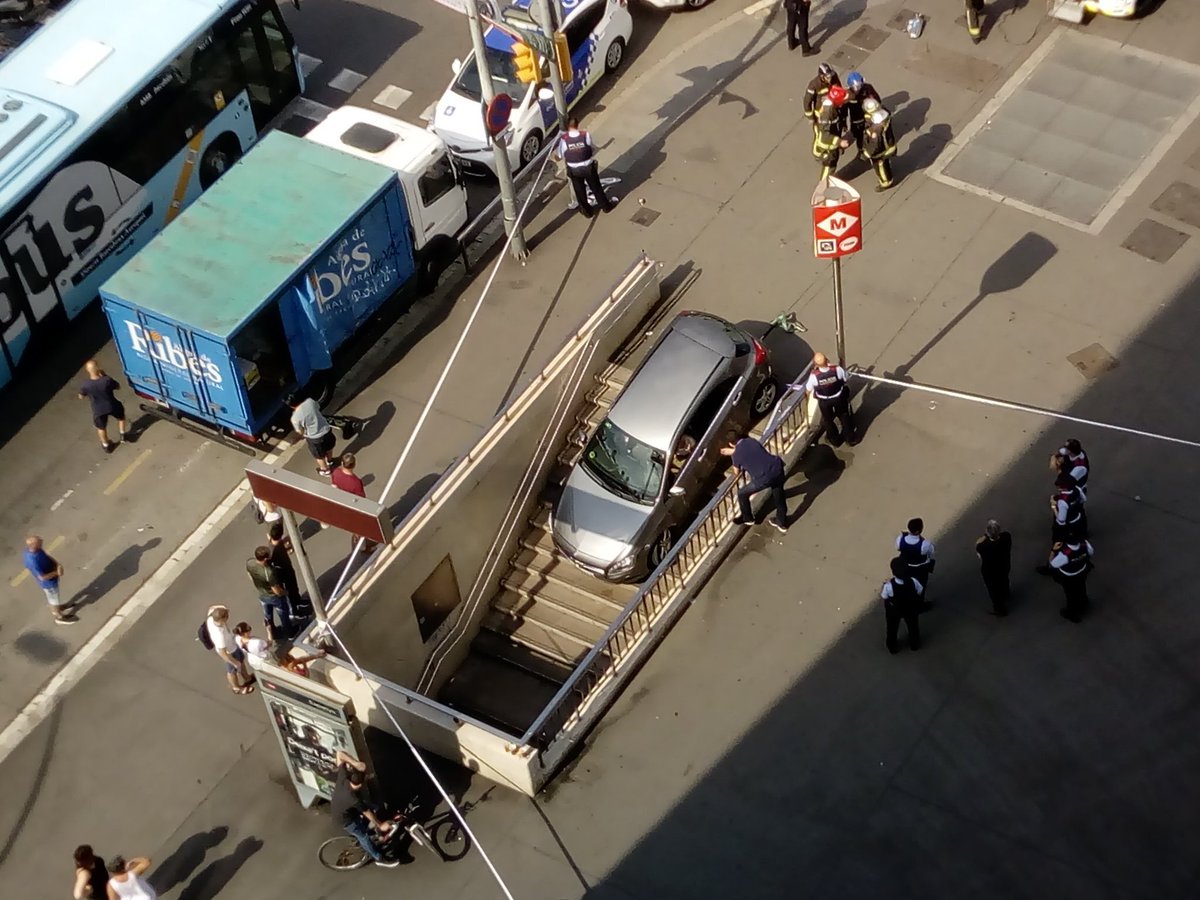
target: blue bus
113 118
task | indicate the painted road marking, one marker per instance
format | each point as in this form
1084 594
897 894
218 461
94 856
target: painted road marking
347 81
755 8
120 479
309 64
37 709
61 500
392 96
20 578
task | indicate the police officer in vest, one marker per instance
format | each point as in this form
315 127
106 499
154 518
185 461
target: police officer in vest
575 147
1072 460
829 385
797 25
829 136
817 89
1071 561
1070 519
901 596
916 552
879 143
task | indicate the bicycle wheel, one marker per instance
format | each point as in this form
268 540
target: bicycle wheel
342 853
450 839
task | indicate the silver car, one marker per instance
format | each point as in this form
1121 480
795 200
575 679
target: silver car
643 474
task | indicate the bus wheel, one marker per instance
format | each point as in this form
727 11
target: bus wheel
218 158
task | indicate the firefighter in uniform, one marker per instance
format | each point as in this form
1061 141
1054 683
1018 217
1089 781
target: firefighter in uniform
575 147
974 14
831 388
797 25
829 135
1071 561
858 90
879 143
817 89
901 596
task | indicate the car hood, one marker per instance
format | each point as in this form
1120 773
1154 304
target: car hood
457 118
595 526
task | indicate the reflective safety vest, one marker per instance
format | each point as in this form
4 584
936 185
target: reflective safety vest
1077 560
878 141
576 149
829 385
1074 502
827 136
904 595
815 94
1074 462
912 553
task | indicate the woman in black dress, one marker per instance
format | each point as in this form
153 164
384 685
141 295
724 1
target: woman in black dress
91 875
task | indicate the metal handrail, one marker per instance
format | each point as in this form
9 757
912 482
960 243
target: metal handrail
662 585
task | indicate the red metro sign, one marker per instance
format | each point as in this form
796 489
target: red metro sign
837 219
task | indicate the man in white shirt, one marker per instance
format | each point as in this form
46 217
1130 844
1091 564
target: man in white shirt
225 646
310 424
901 597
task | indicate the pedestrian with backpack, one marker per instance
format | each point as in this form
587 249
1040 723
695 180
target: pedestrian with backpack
214 634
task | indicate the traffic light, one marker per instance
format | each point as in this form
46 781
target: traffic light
526 63
562 55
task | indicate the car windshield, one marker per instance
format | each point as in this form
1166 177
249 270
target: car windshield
624 464
504 76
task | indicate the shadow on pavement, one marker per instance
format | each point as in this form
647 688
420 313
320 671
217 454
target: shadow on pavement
188 856
840 15
40 647
123 566
821 468
213 878
373 428
1016 757
35 787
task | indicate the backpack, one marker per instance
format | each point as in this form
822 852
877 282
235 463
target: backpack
203 636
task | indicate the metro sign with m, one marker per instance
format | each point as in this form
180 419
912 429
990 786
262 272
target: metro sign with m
837 229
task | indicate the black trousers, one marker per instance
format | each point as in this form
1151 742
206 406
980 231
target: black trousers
797 25
896 612
997 588
1075 591
584 177
776 488
833 411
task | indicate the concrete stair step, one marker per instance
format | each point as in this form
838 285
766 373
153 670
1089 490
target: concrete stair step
498 693
563 645
524 587
527 607
546 560
489 643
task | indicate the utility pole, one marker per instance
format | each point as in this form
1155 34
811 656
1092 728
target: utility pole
302 563
508 192
547 13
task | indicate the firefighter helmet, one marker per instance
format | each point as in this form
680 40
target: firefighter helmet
870 105
837 94
825 70
854 81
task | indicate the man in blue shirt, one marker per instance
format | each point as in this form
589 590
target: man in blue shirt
46 571
765 472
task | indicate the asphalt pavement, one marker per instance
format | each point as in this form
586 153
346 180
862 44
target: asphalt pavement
771 747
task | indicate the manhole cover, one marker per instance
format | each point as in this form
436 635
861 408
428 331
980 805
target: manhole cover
868 38
1180 201
1154 240
645 216
1093 361
1075 130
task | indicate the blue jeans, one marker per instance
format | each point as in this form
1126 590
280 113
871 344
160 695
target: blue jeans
271 604
360 829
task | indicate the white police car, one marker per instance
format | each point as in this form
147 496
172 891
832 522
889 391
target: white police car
597 33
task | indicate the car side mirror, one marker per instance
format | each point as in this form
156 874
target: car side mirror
456 66
676 491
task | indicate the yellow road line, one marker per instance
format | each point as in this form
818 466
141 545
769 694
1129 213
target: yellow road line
24 574
120 479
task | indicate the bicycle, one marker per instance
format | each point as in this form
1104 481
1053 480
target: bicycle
343 853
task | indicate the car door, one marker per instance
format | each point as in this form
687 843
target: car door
706 426
587 61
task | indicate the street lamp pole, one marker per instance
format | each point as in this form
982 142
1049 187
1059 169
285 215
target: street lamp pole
549 24
508 192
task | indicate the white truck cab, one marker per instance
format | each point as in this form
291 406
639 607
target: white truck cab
433 190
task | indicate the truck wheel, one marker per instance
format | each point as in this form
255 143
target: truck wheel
433 261
218 158
320 388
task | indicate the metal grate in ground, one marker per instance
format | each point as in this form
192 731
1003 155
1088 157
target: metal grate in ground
1075 130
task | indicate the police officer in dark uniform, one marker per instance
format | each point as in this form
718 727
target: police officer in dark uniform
829 385
1073 460
858 90
797 25
575 147
916 552
1071 561
817 89
1066 503
879 143
901 597
974 16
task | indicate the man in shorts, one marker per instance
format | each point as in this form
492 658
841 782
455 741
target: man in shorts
308 422
100 390
46 571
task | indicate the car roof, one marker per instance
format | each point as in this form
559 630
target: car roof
666 386
503 41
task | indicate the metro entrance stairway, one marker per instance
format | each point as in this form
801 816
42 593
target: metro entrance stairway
546 615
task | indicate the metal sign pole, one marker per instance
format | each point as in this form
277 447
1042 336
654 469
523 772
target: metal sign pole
839 323
305 567
508 192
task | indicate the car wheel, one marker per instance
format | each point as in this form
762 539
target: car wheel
695 4
529 148
614 57
661 547
764 397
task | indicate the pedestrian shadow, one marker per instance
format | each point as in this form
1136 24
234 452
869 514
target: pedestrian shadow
373 427
909 117
821 467
400 508
121 568
188 856
845 13
924 149
213 879
994 11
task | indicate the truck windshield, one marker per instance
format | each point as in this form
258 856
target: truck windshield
504 77
623 464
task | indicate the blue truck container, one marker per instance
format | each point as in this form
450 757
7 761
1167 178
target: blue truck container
247 295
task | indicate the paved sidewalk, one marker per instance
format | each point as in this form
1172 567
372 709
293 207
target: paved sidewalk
771 745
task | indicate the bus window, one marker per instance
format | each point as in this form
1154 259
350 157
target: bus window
278 44
436 181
